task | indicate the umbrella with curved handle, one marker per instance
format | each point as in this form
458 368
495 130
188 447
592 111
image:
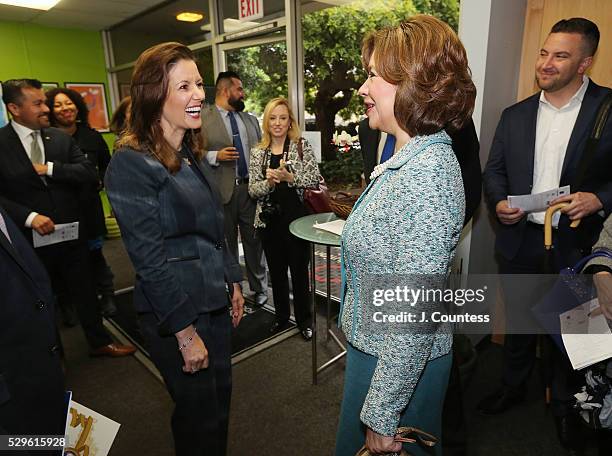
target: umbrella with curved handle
548 223
545 343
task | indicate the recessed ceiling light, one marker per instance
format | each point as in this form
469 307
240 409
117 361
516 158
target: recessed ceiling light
188 16
34 4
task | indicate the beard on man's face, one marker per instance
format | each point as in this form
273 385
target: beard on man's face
237 104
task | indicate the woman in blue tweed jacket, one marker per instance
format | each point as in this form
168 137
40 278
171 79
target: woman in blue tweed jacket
407 221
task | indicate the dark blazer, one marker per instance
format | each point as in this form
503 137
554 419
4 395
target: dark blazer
466 148
509 170
31 378
22 191
95 149
172 228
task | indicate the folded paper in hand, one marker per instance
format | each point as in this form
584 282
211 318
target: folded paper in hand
538 202
63 232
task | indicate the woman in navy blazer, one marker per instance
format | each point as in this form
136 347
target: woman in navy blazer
171 219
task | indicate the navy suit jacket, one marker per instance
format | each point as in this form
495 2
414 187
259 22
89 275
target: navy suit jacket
172 228
509 171
22 191
466 148
31 379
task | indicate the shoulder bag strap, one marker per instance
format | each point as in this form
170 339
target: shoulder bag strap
602 252
593 141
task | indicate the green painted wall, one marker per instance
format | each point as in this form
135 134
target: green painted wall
52 55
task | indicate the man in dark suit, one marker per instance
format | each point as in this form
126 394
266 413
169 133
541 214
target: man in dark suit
229 134
42 172
31 378
538 146
375 146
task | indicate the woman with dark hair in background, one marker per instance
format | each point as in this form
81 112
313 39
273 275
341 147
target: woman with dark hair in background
171 219
120 119
68 112
405 225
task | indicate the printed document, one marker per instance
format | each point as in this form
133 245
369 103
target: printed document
587 339
538 202
63 232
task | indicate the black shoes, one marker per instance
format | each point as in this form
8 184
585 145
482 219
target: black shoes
306 333
107 306
278 327
500 401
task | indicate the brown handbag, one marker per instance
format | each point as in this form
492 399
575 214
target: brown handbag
316 199
407 434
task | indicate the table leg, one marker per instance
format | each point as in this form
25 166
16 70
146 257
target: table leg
328 285
313 309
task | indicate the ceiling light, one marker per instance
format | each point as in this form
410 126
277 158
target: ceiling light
34 4
188 16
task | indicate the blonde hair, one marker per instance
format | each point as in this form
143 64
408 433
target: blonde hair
294 129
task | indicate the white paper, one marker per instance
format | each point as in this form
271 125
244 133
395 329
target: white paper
587 340
88 432
538 202
334 227
63 232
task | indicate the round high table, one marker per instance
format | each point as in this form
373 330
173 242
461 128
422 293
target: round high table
303 228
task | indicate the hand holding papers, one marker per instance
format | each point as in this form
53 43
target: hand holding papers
538 202
63 232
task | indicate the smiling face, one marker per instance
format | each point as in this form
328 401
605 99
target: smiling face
64 110
561 62
183 103
379 98
279 122
32 111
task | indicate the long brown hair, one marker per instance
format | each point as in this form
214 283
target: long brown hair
149 90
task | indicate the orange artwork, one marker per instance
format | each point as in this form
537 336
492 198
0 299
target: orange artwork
95 99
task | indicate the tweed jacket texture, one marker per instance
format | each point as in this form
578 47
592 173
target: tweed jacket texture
407 221
604 242
306 174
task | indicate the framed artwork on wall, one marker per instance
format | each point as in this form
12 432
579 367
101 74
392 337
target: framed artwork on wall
49 85
94 94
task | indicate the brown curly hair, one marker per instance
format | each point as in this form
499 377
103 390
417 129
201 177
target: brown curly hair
148 91
427 62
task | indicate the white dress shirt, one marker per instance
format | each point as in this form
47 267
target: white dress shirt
553 130
25 136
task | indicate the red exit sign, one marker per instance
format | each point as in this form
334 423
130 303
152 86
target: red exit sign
250 9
